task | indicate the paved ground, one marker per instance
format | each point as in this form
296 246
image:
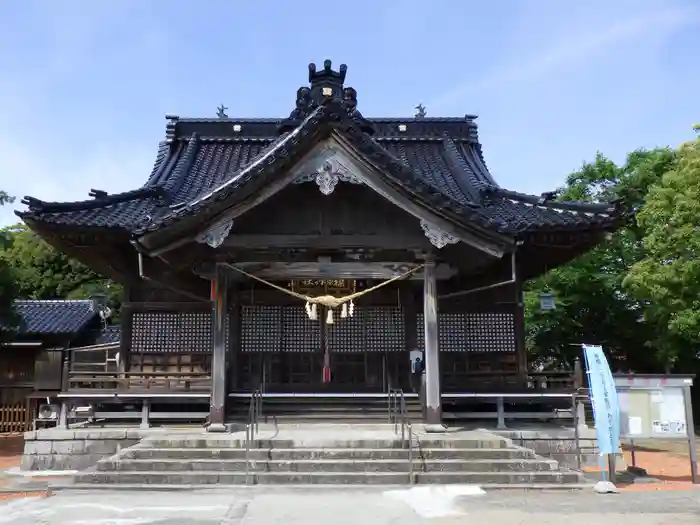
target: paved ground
345 505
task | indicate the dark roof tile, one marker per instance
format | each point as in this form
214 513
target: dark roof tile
55 317
438 160
109 334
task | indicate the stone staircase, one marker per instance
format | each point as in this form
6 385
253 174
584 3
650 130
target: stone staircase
312 458
358 408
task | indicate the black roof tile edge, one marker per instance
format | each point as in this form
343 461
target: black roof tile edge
461 171
546 201
474 158
182 168
39 206
276 120
333 115
160 165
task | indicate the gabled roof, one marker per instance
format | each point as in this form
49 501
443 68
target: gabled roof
437 161
55 317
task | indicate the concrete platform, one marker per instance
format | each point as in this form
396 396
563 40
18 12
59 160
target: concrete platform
268 505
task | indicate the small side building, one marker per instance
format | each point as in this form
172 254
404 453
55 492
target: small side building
31 360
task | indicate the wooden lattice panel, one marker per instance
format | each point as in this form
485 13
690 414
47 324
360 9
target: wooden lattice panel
261 328
472 332
348 335
179 332
490 332
384 330
299 333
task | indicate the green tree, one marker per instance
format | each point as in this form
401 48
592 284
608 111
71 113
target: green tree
592 304
669 275
42 272
8 285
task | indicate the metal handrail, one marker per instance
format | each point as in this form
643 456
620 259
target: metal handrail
398 415
252 426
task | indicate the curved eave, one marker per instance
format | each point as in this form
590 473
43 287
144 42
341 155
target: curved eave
103 250
119 211
263 173
521 213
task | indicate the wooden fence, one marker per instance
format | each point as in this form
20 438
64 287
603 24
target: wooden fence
16 418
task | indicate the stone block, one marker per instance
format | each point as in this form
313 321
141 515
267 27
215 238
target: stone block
102 434
56 434
106 447
75 446
37 447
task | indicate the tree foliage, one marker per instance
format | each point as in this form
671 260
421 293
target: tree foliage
41 272
668 277
8 287
638 293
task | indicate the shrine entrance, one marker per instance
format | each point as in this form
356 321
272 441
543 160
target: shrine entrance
358 351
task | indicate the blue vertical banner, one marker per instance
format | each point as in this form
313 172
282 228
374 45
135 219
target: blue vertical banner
606 407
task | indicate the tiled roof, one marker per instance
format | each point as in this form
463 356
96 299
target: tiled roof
55 317
109 334
438 160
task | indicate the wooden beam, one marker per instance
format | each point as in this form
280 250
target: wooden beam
329 242
331 270
161 275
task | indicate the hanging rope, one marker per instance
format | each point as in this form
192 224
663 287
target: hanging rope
327 300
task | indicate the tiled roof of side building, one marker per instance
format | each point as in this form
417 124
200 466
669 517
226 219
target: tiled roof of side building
109 334
55 316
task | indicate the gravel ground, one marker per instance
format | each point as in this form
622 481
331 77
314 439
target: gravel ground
349 505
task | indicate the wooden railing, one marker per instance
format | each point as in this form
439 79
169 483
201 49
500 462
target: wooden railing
563 381
139 382
16 418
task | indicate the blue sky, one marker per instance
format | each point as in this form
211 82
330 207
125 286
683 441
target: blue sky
84 85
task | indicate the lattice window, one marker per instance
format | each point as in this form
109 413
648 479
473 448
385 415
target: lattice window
179 332
452 335
472 332
299 333
261 328
348 335
385 330
490 332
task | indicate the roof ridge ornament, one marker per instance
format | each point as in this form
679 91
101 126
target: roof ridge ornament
325 86
421 111
221 111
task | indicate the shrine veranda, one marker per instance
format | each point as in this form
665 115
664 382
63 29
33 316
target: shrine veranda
245 224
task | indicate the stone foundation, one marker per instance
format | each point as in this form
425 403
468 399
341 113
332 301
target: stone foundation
560 444
60 449
78 449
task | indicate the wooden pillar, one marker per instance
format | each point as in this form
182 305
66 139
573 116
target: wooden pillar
519 319
433 397
127 321
217 406
410 319
234 338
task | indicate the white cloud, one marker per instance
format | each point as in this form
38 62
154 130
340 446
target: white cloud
577 45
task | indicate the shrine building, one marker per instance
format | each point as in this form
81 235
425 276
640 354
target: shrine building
325 254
